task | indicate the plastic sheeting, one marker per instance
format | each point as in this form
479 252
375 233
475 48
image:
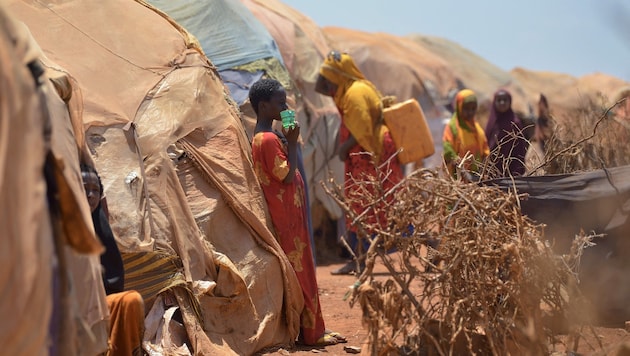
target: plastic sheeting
59 278
239 82
229 34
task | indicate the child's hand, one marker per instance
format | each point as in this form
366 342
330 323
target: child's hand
292 134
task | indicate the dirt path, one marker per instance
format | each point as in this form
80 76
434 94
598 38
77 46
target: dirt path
347 321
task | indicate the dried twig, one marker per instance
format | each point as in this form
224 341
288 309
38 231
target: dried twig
493 275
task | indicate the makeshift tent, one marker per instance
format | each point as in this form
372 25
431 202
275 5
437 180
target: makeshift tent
568 95
244 50
231 37
593 202
565 93
27 241
54 298
176 166
475 72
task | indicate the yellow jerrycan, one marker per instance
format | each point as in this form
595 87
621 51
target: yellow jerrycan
410 131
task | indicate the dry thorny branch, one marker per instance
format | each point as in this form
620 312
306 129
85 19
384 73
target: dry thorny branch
492 281
591 138
493 285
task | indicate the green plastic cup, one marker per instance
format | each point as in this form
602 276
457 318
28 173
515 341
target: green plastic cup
288 118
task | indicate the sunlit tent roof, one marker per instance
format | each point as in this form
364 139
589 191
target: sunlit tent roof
228 33
231 37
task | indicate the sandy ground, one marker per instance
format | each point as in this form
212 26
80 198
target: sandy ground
340 317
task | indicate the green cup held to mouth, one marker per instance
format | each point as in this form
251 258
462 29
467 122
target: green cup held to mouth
288 118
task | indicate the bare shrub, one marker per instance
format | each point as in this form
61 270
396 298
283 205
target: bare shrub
493 281
590 138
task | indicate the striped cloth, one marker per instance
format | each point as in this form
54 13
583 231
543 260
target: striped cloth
152 273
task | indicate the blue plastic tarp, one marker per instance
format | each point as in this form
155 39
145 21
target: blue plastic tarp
228 32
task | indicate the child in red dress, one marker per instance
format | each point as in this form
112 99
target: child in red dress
275 163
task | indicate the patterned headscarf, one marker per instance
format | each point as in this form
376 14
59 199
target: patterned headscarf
464 96
462 136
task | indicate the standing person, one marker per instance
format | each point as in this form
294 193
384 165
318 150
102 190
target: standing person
622 111
126 308
535 154
275 163
506 139
463 135
364 143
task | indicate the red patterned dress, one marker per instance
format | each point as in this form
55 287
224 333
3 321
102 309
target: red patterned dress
359 168
286 204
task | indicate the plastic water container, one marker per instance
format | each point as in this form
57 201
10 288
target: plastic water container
410 131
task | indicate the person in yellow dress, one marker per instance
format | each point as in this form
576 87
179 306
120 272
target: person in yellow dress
464 136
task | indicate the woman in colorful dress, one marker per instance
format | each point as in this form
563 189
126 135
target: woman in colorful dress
464 136
365 144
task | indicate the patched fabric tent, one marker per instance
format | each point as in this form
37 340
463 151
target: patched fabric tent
568 95
176 166
474 72
244 49
236 43
51 275
27 241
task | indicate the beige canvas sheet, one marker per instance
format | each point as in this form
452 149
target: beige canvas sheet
30 239
26 246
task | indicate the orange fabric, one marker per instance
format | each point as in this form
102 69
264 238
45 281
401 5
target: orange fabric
287 207
126 324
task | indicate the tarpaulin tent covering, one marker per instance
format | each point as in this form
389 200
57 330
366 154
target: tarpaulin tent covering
565 93
475 72
228 33
54 298
27 242
594 202
568 95
231 37
219 22
176 167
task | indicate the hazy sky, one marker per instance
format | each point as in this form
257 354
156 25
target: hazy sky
577 37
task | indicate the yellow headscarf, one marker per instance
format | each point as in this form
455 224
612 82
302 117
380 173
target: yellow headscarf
463 136
361 117
464 96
